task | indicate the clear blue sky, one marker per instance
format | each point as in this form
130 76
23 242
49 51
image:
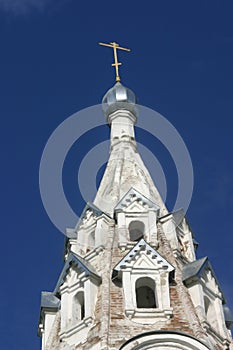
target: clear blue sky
181 65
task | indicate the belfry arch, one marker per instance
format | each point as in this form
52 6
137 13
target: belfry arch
136 230
161 340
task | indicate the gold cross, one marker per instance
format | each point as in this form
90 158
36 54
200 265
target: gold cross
115 46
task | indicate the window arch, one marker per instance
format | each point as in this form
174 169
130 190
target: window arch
90 241
136 230
210 312
207 305
145 293
79 306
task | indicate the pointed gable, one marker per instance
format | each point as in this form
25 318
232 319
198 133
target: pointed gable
145 281
82 266
49 303
194 268
199 269
135 202
89 210
143 256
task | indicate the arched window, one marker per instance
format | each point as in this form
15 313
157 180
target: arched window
91 241
136 230
210 313
145 293
78 306
207 306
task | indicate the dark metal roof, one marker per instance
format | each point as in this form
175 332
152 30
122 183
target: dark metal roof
81 264
119 97
49 301
195 269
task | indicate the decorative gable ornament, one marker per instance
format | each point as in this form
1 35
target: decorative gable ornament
201 270
143 252
77 286
89 233
145 280
208 298
134 201
83 268
136 218
89 215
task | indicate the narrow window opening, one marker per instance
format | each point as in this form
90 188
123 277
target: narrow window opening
82 311
145 293
79 306
207 306
136 230
210 313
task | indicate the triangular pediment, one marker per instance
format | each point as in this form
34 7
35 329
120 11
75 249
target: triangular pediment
136 207
145 262
89 213
134 201
143 256
75 261
201 269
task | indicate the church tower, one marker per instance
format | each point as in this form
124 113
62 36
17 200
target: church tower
131 280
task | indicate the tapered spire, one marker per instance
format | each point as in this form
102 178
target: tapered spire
125 168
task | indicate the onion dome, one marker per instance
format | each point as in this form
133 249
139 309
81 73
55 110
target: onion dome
119 97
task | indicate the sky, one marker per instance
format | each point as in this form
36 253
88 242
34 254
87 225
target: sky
51 66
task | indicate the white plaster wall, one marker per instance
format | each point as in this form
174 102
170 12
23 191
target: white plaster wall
196 294
122 125
48 323
101 232
160 277
169 228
